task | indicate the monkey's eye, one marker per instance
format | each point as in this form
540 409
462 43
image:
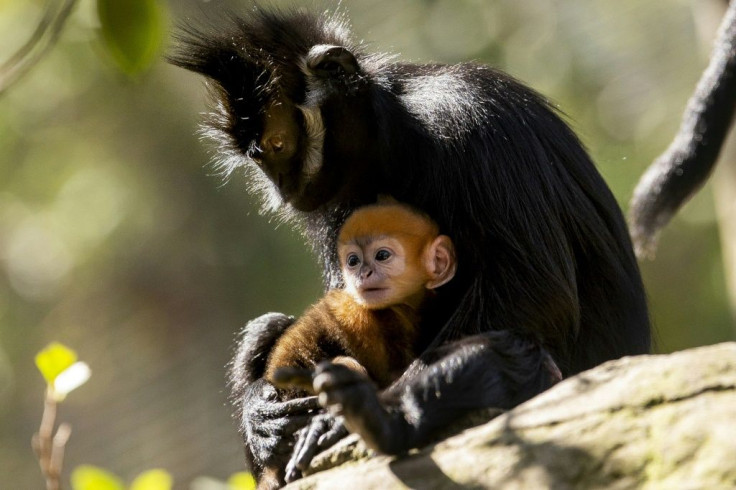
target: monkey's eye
353 260
382 255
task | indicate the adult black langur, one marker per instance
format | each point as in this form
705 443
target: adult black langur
683 168
547 264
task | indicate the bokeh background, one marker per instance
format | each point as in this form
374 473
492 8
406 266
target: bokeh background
118 239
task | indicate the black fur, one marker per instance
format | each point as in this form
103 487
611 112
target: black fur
544 253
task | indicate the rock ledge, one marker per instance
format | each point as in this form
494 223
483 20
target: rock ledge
664 421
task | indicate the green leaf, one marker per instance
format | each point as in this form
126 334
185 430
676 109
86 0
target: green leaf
242 481
88 477
53 360
132 32
153 480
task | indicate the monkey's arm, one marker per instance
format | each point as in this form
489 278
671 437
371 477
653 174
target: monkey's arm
264 421
497 369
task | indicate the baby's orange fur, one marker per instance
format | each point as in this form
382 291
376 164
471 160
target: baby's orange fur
381 339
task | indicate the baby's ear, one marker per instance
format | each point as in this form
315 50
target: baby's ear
440 261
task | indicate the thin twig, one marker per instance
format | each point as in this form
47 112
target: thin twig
49 447
46 431
41 41
57 450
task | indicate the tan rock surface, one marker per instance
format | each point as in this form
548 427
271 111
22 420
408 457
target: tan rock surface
666 421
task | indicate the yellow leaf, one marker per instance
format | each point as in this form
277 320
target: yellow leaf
88 477
242 481
53 360
153 480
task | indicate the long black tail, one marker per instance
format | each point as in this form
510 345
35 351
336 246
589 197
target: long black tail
683 168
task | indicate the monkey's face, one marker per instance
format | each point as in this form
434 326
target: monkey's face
281 153
293 104
379 272
308 127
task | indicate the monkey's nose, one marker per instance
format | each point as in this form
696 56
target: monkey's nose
276 143
273 144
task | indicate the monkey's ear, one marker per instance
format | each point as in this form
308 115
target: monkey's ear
327 61
440 261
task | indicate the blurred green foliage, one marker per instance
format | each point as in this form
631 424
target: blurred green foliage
133 32
116 238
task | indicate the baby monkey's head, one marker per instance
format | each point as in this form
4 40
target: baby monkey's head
392 254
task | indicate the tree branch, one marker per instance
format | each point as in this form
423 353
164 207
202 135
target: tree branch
42 40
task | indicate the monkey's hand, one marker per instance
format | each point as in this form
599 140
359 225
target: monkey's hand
352 396
353 405
323 431
268 424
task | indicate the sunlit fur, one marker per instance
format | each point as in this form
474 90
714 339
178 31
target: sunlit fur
383 341
315 132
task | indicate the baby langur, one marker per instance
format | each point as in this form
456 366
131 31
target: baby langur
392 259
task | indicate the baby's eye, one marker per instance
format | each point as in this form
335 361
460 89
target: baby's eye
382 255
352 260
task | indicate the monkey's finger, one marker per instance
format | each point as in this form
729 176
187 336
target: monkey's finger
334 399
292 377
329 438
295 423
297 449
335 376
296 406
310 446
292 473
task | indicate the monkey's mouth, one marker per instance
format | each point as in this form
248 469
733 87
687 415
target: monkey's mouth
374 296
304 198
